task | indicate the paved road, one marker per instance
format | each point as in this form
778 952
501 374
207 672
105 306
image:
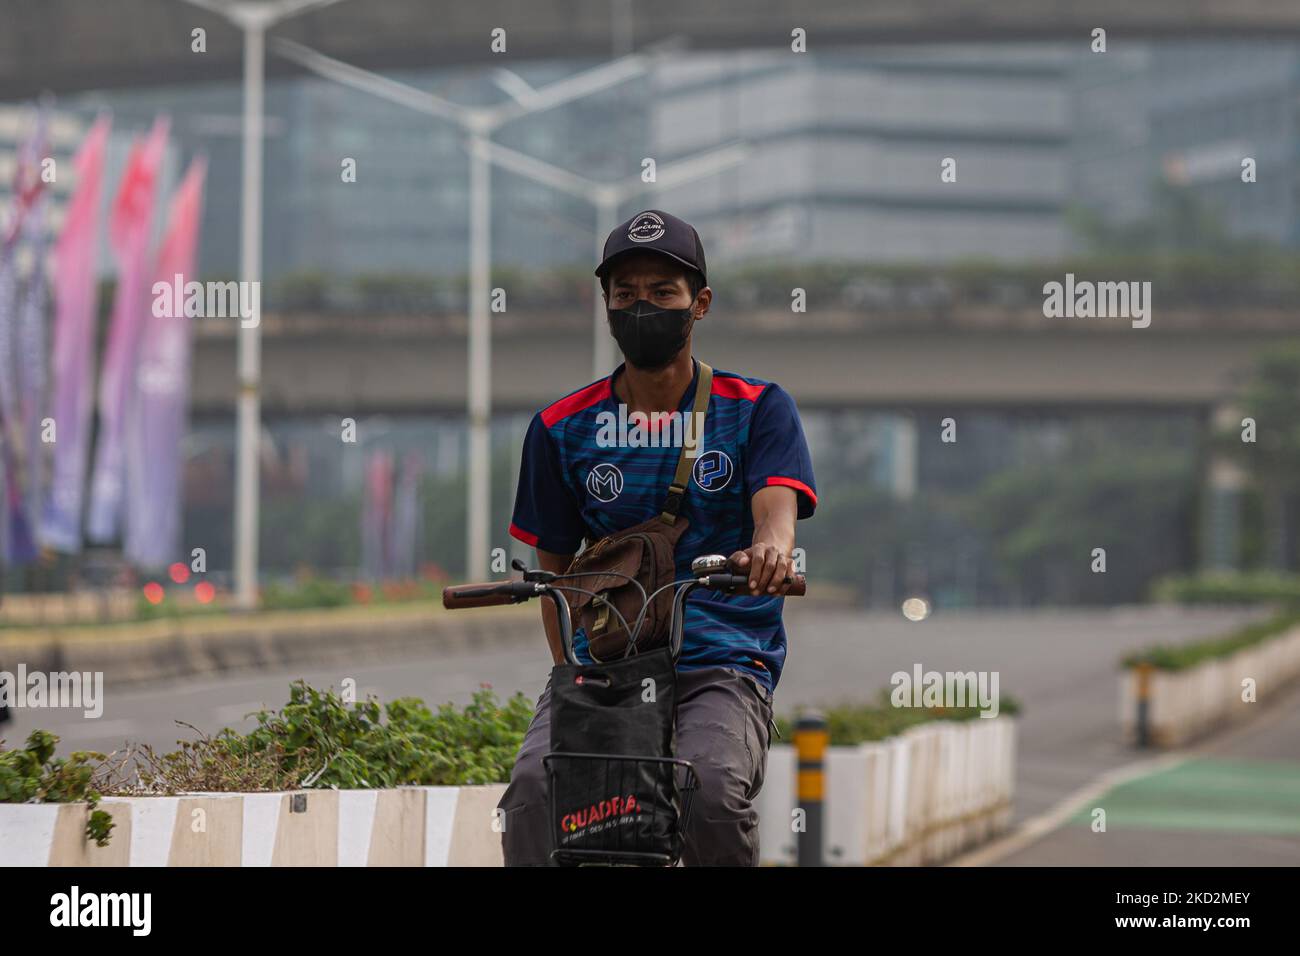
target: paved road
1060 664
1235 801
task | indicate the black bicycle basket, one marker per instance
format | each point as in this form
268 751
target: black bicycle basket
616 793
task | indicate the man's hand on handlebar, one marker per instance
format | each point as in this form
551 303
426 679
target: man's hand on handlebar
770 570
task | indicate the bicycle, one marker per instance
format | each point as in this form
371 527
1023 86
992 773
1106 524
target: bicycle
632 832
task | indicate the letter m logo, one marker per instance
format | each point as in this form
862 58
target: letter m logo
605 482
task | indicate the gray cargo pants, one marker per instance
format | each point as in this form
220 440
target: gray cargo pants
722 728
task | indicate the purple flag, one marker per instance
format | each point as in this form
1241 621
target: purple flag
404 539
31 337
74 344
16 531
155 427
17 544
129 226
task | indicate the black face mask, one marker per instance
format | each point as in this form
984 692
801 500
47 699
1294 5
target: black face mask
650 336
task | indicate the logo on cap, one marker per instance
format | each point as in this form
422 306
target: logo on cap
646 227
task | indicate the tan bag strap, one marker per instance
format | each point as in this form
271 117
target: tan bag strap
692 436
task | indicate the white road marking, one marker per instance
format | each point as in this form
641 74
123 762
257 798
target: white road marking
1038 827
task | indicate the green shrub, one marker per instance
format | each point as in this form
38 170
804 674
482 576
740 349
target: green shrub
316 740
33 775
1229 587
1176 657
319 740
856 723
329 743
314 592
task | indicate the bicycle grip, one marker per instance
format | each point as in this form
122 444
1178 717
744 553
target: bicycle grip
486 595
739 584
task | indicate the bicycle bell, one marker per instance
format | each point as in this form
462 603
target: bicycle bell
708 564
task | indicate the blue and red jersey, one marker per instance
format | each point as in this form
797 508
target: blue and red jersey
574 483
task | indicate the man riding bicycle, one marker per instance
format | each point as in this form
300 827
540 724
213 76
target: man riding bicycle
751 478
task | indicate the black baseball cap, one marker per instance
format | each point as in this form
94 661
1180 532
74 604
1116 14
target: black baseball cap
655 231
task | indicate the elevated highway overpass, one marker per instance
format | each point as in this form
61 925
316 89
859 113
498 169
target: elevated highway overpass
70 45
1018 361
315 364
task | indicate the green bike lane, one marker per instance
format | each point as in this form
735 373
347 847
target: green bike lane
1233 801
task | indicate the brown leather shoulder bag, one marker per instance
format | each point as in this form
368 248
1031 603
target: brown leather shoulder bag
644 554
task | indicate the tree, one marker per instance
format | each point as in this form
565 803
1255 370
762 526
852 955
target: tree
1272 398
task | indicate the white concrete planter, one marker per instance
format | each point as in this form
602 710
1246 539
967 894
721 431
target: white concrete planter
921 797
405 826
1186 704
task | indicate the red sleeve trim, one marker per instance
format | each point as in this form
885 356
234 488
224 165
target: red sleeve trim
583 398
797 485
729 387
526 537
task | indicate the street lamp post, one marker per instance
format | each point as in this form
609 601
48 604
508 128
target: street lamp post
479 124
608 198
253 19
479 492
249 400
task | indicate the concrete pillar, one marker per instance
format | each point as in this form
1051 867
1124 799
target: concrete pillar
903 459
1221 515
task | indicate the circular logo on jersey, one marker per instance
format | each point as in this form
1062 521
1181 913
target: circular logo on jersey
646 227
713 471
605 482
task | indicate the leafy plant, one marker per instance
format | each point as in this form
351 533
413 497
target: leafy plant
855 723
332 744
34 775
1271 397
1229 587
314 592
317 740
1176 657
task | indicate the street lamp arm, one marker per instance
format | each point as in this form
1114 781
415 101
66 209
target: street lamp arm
573 87
368 82
210 5
702 164
515 86
285 9
258 15
540 171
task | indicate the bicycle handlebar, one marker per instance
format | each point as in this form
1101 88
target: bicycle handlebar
498 593
495 593
735 583
487 595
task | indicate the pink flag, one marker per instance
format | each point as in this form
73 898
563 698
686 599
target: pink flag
129 226
376 510
74 343
155 428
